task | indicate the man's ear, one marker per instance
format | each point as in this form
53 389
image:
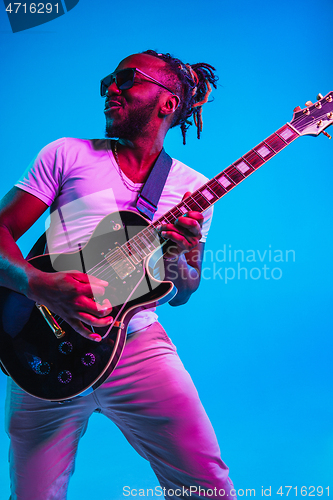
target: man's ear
170 105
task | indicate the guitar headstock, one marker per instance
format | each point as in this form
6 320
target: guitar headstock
317 116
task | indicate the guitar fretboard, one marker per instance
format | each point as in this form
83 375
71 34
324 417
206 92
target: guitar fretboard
226 180
146 242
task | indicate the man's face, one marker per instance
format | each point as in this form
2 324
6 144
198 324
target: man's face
129 113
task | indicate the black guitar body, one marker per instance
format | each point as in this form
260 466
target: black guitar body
58 369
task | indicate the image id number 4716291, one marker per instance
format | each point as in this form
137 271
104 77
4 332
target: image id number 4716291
304 491
32 8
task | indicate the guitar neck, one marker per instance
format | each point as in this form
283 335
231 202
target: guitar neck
225 181
145 242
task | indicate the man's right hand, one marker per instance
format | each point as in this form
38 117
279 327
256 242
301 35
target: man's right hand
72 295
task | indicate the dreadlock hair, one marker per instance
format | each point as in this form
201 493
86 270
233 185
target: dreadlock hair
193 86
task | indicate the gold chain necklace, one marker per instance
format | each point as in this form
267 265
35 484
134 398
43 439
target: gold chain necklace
126 184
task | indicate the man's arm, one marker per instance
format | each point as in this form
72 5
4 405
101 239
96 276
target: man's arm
184 266
70 294
185 274
18 212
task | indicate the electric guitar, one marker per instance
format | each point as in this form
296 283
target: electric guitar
43 354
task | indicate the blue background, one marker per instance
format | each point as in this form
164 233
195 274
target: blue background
259 350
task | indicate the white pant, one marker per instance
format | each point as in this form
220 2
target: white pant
149 396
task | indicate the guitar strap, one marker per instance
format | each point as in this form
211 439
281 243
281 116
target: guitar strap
151 192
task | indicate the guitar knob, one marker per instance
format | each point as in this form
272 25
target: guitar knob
43 368
65 347
88 359
40 367
65 377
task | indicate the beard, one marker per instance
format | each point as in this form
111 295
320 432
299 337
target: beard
133 124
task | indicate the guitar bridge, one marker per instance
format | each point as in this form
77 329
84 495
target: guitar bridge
46 313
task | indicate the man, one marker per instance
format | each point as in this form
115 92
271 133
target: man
149 395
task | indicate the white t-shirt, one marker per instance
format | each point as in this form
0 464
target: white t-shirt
80 181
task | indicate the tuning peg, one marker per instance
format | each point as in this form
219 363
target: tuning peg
308 103
325 133
319 96
298 108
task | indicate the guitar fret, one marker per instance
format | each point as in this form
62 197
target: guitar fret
208 194
275 142
193 204
146 241
131 252
264 151
216 187
155 236
244 167
169 218
287 134
177 212
253 159
183 209
186 207
234 174
146 252
140 244
163 220
149 233
136 244
225 181
201 200
136 247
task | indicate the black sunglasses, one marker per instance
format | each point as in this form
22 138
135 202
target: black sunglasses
124 79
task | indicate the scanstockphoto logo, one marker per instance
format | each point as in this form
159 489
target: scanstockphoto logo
23 16
228 264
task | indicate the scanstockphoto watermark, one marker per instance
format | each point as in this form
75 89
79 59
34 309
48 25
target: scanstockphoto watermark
182 492
229 264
